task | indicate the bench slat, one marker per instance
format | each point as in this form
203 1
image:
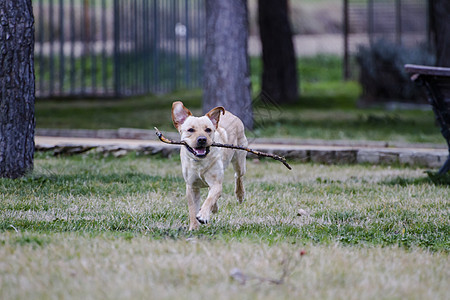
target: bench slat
427 70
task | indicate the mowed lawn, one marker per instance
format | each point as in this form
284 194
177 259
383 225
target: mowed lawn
94 227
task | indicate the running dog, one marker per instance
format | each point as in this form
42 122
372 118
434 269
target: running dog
202 165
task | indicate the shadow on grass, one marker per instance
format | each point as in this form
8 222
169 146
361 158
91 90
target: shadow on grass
88 184
439 179
425 235
433 177
342 230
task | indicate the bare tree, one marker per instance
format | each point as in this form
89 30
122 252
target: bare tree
16 88
440 28
226 67
279 78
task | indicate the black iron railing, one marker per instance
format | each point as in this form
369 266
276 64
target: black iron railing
113 48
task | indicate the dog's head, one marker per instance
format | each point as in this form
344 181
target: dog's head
196 132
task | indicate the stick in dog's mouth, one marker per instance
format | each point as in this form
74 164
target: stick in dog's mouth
163 139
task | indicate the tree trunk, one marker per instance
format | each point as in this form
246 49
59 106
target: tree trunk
440 28
279 78
226 67
16 88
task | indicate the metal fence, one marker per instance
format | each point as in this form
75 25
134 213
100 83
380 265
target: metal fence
404 22
114 48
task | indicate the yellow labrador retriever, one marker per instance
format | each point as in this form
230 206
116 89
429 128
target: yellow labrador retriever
203 165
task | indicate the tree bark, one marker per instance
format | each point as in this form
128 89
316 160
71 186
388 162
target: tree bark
279 78
17 89
440 28
226 67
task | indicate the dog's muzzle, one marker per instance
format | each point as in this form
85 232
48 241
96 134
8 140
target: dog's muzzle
201 150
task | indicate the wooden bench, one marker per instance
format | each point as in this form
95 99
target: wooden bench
436 83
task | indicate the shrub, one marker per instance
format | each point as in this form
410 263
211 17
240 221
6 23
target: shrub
382 75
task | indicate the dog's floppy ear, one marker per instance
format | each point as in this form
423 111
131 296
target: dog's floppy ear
214 115
179 114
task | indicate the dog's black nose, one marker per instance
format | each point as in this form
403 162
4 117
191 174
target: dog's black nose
201 140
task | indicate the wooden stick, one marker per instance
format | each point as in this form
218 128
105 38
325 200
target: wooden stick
163 139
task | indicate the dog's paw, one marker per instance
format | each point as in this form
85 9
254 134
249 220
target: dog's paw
194 226
202 218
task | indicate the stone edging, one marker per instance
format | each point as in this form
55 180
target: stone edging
424 157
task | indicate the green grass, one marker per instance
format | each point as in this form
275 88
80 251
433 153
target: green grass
326 110
315 117
102 227
368 206
138 112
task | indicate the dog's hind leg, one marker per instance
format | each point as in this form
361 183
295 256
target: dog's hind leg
239 167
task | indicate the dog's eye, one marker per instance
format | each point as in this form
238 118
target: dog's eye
208 130
191 130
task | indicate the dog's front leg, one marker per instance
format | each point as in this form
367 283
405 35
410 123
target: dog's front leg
193 197
214 193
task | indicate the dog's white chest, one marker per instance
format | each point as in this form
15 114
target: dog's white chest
202 172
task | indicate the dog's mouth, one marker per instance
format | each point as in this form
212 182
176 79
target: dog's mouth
199 152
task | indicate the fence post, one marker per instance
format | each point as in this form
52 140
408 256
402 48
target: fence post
370 21
51 43
116 52
41 50
72 46
92 42
155 45
61 47
398 24
346 33
187 61
104 39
